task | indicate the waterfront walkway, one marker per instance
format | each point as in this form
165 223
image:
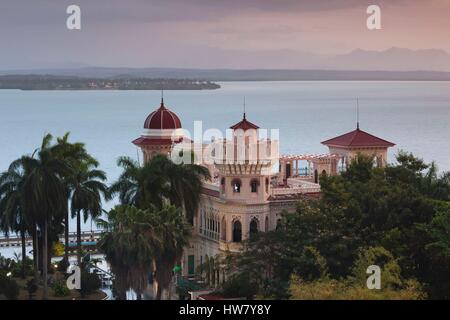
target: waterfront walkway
89 237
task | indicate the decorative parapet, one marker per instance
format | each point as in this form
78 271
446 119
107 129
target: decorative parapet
295 190
230 246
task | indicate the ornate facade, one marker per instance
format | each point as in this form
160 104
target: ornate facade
246 194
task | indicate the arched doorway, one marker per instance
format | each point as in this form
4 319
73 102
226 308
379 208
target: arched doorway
278 224
237 231
288 170
266 225
253 227
316 176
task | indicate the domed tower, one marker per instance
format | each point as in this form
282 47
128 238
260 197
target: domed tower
245 164
162 129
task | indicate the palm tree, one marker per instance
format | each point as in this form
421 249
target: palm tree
12 214
129 243
44 191
186 182
138 241
15 216
174 233
86 187
140 186
153 187
160 181
73 154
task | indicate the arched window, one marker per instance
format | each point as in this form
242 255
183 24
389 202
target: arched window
222 184
237 231
266 225
236 183
223 232
324 172
267 185
254 185
253 227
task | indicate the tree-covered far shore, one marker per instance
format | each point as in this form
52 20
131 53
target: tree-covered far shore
51 82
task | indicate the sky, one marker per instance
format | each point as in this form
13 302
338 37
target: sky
211 33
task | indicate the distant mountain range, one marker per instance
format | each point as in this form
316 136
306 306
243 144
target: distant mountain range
391 64
393 59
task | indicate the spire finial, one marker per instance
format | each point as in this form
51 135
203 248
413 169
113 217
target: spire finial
357 113
244 108
162 97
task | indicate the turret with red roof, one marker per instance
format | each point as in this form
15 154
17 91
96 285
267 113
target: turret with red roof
162 128
355 142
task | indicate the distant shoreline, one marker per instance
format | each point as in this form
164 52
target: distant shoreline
75 83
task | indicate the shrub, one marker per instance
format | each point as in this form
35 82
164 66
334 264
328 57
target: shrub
8 287
330 289
6 264
390 270
16 267
238 286
31 288
60 289
89 283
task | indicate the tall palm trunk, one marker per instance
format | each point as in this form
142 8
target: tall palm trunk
45 260
35 253
24 252
158 291
79 237
66 238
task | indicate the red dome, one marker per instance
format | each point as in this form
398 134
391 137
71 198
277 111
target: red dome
162 118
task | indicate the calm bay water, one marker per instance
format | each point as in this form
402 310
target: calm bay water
414 115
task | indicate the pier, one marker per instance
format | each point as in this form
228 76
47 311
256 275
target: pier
90 237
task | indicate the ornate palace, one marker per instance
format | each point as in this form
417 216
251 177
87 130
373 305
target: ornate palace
243 196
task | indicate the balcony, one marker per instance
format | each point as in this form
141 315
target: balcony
230 246
296 186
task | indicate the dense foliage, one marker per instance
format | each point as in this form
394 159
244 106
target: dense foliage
146 235
403 211
9 288
140 242
158 181
37 192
